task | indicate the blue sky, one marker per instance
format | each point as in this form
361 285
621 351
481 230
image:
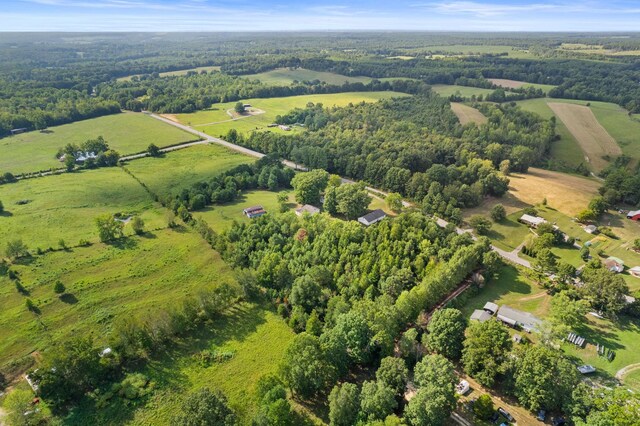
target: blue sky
286 15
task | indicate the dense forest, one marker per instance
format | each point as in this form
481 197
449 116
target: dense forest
408 145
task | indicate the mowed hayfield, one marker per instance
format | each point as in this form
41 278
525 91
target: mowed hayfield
594 140
65 206
182 168
446 90
569 194
104 283
467 114
286 76
515 84
177 72
215 121
127 133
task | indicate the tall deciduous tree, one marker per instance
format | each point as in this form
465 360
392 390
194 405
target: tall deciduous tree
305 368
205 408
446 333
109 228
308 186
377 401
393 373
485 349
344 405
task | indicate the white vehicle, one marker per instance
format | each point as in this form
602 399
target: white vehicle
586 369
462 387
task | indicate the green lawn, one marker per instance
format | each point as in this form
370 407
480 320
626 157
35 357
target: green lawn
221 217
65 206
286 76
478 49
104 282
178 72
509 233
446 90
127 133
254 334
632 380
203 120
513 289
182 168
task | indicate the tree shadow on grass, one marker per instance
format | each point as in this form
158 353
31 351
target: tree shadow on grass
6 214
149 235
68 298
24 260
124 243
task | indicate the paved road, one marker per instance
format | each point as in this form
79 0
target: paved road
511 256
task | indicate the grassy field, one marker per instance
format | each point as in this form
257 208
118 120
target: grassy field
446 90
127 133
509 233
178 72
65 206
216 122
480 49
221 217
104 282
467 114
594 140
514 84
182 168
568 193
286 76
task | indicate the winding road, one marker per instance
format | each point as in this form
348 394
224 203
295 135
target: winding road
511 256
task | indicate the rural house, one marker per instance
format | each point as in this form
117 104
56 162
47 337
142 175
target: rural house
532 221
373 217
307 208
614 264
634 215
253 212
518 319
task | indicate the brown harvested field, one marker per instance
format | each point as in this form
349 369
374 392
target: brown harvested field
467 114
507 84
594 140
568 194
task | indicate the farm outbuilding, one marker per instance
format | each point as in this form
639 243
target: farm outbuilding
614 264
373 217
516 318
253 212
491 307
591 229
533 221
634 215
307 208
480 315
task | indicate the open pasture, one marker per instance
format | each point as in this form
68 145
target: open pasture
569 194
65 206
216 121
515 84
182 168
103 283
593 138
446 90
173 73
127 133
287 76
467 114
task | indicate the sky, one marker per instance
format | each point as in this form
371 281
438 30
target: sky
294 15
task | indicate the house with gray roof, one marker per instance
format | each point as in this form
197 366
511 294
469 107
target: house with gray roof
519 319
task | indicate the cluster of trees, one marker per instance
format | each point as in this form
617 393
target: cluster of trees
105 157
266 173
621 183
415 147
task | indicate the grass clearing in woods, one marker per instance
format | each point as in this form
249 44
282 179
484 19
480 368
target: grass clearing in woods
127 133
593 138
467 114
138 276
286 76
446 90
514 84
174 73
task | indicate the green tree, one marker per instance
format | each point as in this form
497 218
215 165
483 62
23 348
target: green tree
545 261
344 405
352 200
153 150
566 313
137 224
485 349
308 186
435 370
305 293
481 224
16 403
58 287
239 108
430 406
505 167
598 205
543 378
394 202
586 216
604 290
498 213
377 401
483 407
283 200
205 408
314 324
305 368
446 333
393 373
335 180
69 162
565 272
584 253
16 249
1 207
109 228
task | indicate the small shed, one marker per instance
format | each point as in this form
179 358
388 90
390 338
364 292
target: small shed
373 217
591 229
308 209
283 127
533 221
491 307
614 264
480 315
255 211
635 271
